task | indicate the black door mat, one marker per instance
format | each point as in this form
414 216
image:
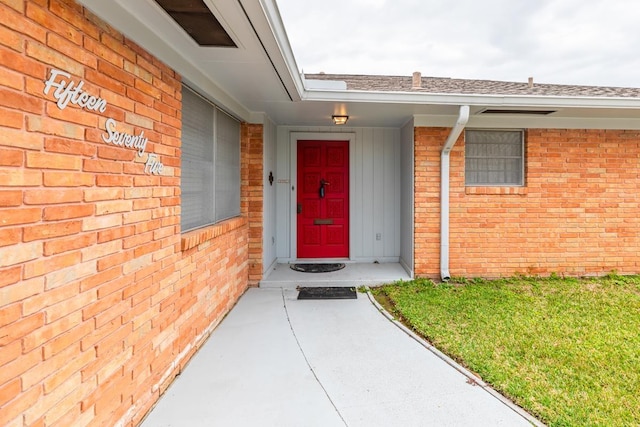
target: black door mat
317 268
327 293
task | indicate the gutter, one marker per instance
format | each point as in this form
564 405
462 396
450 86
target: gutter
463 118
484 100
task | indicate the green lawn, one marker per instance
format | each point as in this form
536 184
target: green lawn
566 350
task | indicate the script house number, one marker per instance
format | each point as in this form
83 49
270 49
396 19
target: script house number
67 91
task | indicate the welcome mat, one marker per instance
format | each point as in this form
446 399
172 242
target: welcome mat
317 268
327 293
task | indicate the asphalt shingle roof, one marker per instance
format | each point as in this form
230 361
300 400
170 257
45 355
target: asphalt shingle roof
442 85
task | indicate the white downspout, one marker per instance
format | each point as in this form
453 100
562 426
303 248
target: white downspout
463 118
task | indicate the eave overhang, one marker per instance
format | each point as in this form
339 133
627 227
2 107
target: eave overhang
260 78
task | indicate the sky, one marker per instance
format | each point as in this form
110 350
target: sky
580 42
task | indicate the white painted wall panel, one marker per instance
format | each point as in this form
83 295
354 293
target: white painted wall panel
407 197
269 232
283 194
392 193
379 196
375 197
365 215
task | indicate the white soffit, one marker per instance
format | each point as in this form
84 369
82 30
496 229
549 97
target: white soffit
260 76
237 79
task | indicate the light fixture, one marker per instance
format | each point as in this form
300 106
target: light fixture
339 120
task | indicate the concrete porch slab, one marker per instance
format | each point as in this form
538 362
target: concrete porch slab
354 274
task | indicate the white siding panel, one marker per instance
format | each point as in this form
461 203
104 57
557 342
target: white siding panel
378 196
391 207
406 192
269 236
366 215
357 205
283 195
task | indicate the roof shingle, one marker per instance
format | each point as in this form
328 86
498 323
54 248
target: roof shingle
442 85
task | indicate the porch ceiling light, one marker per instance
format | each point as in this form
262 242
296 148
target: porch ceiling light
339 120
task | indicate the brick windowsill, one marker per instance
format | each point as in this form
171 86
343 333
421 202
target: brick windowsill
497 190
191 239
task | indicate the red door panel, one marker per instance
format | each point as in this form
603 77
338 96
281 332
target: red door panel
323 217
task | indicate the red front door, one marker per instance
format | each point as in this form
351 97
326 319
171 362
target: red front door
323 199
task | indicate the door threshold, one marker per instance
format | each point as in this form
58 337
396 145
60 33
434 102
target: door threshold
321 261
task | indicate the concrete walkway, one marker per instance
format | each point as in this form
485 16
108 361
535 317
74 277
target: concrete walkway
278 361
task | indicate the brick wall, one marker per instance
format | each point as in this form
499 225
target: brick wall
428 143
102 299
252 201
577 214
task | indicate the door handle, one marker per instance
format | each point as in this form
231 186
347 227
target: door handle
322 184
299 208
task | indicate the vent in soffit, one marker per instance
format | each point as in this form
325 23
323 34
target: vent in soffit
519 112
197 20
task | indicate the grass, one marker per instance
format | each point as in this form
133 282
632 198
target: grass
566 350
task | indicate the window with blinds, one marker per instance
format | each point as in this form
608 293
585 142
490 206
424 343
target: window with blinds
227 169
494 158
210 163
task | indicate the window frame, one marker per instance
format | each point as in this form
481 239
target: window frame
522 159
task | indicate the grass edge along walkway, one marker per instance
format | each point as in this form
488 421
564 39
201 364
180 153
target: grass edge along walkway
566 350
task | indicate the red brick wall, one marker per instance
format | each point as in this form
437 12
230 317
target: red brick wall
252 201
102 300
428 143
577 214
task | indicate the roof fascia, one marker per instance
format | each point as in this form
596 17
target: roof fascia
284 59
472 100
480 122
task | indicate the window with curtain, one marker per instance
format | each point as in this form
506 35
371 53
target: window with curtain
210 163
494 158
